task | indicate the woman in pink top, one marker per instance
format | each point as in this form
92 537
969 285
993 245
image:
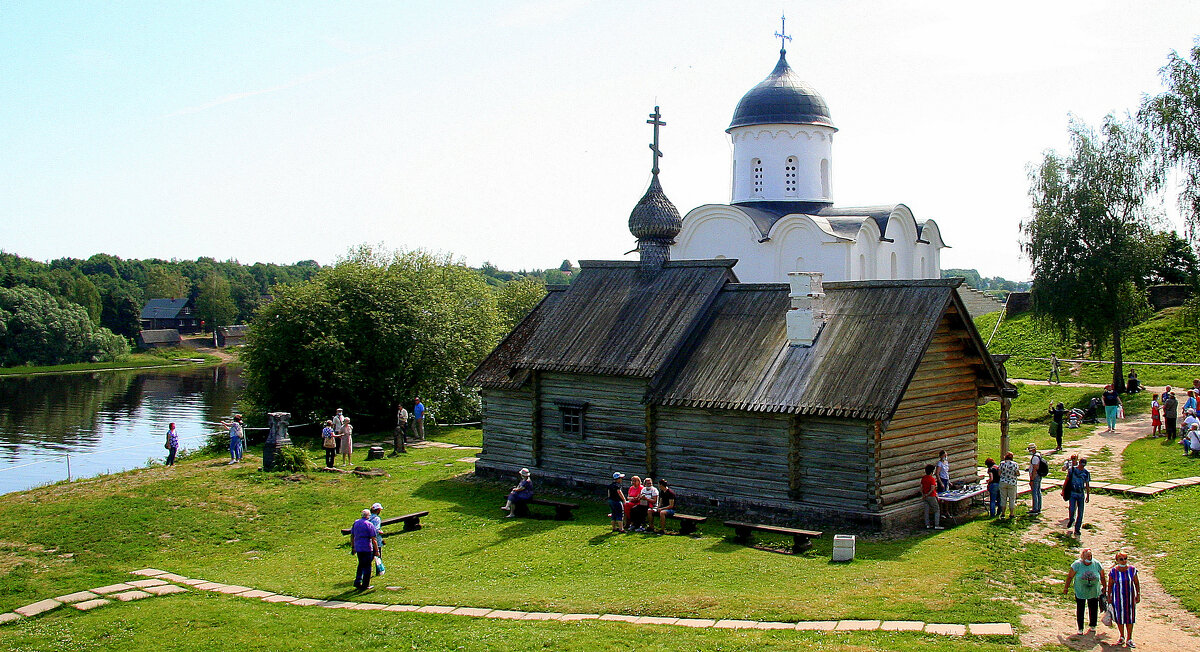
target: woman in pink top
635 490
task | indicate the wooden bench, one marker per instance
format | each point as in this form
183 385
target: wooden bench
562 511
411 522
687 522
800 538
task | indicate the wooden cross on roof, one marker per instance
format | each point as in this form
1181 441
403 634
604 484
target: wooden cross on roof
657 122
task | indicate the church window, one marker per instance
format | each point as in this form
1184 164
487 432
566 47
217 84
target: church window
758 175
789 176
825 178
924 270
894 266
862 267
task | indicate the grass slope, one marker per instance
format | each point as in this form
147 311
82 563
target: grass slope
1164 337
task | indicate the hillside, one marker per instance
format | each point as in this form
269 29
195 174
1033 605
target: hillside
1164 337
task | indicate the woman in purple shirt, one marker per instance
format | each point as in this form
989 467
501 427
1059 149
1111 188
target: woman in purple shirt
362 538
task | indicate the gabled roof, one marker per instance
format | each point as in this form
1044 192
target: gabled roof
163 308
875 335
160 336
498 370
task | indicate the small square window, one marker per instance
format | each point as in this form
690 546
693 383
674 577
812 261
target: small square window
572 420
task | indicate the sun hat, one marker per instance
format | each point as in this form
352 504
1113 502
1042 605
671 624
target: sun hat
1031 447
376 506
525 472
618 475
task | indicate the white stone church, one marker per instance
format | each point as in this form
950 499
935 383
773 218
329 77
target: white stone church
781 216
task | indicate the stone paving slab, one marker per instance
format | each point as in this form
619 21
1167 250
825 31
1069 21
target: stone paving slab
113 588
946 629
577 617
10 617
280 598
305 602
148 572
656 620
542 615
130 596
193 581
232 589
730 623
857 625
817 625
255 593
88 605
1161 485
209 586
333 604
991 629
172 577
471 611
469 460
1119 487
435 609
621 618
507 614
78 596
141 584
901 626
1101 485
39 607
368 606
695 622
1144 491
166 589
775 625
402 607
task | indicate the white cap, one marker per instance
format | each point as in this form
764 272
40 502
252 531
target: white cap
376 506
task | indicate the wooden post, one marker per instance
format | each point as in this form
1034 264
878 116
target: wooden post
1005 404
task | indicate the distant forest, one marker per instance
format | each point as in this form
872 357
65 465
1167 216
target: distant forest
997 285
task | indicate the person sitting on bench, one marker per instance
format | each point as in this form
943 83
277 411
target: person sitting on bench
646 500
521 493
665 508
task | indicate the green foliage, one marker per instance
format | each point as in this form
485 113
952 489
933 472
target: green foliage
164 282
36 328
371 331
996 284
1174 260
294 459
1173 118
1089 238
215 305
516 298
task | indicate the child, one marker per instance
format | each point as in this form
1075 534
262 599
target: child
1155 416
929 498
943 472
616 503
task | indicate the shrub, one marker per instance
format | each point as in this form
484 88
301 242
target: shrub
293 459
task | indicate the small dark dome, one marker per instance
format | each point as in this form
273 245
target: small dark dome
781 98
655 217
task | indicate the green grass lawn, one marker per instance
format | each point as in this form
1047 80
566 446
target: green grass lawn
236 525
1165 526
1151 460
157 358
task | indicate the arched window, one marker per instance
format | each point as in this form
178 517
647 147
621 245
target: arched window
825 192
924 270
789 176
799 265
758 175
894 266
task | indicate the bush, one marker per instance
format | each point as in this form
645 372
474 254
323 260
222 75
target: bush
40 329
294 459
216 442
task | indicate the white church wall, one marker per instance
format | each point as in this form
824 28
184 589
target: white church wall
764 157
864 255
800 245
719 231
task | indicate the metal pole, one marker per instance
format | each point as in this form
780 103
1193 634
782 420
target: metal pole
68 467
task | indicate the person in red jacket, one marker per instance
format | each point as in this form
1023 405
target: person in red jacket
929 498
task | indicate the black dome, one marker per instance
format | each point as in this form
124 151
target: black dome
655 217
781 98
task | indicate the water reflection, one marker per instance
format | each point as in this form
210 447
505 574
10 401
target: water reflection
43 418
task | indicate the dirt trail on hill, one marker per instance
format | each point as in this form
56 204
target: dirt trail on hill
1162 622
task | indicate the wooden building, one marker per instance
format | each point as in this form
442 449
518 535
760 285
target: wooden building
159 338
230 335
170 313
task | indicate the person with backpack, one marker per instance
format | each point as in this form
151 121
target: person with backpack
1038 469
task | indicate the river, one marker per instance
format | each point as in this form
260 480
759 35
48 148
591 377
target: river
105 421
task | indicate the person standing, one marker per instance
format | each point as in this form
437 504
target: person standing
347 441
993 487
1079 483
338 419
418 419
362 540
1112 405
943 472
1124 594
929 498
1086 577
237 438
616 502
1009 473
329 442
400 438
1190 403
1036 462
172 444
1053 378
1170 409
1056 424
377 521
1155 416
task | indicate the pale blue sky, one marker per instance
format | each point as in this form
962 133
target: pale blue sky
514 132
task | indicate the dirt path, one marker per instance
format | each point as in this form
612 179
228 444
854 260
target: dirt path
1163 623
205 345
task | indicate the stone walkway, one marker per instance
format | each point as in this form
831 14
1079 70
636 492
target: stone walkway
1152 489
159 582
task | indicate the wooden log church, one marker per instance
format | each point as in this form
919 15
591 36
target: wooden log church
794 402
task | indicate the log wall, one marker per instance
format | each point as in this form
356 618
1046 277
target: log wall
507 426
614 437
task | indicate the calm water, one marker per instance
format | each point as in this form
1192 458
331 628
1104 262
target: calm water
107 421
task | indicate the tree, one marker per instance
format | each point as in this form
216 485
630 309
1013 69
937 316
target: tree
374 329
565 266
516 298
1174 260
1088 238
164 282
1173 119
38 328
214 304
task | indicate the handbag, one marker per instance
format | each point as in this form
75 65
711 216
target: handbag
1066 488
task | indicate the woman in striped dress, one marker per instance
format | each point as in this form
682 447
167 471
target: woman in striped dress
1124 592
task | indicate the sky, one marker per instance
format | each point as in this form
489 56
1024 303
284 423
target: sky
514 132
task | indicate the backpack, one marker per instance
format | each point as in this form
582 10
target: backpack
1043 469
